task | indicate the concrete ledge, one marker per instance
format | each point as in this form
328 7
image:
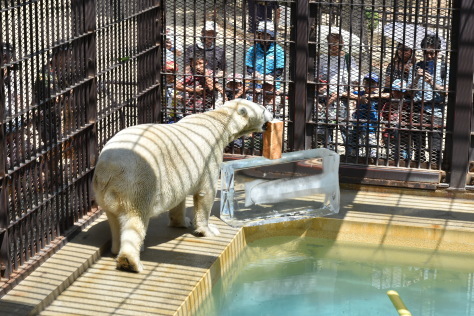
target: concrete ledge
42 286
174 263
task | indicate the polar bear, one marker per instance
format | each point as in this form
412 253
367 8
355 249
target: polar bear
148 169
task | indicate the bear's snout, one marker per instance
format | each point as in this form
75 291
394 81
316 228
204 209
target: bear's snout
265 126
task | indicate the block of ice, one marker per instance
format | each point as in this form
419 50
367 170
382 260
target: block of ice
300 184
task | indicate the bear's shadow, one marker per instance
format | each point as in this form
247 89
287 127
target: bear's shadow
160 233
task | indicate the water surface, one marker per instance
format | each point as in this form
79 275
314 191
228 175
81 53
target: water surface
310 276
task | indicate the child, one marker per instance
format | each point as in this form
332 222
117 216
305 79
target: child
173 45
173 98
394 113
201 90
234 86
364 134
235 89
268 96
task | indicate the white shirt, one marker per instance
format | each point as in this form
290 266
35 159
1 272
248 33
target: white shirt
333 69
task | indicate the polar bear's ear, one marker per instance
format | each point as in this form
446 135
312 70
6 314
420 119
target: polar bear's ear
243 111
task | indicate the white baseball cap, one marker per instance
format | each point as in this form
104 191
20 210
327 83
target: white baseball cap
266 27
211 26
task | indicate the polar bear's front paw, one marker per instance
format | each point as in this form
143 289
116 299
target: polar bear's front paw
184 222
127 263
209 231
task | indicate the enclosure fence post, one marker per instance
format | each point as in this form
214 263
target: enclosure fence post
459 115
299 76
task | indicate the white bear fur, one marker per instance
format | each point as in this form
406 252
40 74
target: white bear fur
148 169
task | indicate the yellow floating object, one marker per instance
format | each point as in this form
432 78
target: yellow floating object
398 303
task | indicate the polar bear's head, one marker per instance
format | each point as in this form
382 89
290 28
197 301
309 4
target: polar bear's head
249 116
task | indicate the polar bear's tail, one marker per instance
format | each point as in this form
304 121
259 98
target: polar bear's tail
104 183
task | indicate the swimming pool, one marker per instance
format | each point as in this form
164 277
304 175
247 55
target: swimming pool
292 275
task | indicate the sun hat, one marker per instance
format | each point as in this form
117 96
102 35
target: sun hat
266 27
399 85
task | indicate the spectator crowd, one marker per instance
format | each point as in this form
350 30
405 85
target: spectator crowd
400 108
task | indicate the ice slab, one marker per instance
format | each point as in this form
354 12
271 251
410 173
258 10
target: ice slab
299 185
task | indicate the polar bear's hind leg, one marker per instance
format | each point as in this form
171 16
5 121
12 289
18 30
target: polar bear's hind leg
115 231
178 217
132 234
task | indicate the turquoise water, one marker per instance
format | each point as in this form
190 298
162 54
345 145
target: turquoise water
309 276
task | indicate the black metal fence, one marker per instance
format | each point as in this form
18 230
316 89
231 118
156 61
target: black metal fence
75 72
368 79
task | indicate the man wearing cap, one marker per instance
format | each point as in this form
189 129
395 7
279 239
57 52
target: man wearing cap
265 57
214 55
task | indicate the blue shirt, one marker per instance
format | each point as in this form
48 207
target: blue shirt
266 62
367 112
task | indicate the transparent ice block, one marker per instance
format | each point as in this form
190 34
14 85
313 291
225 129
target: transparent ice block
299 185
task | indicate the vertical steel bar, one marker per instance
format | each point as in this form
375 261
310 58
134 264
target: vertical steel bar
5 262
313 12
91 89
460 104
299 76
158 27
